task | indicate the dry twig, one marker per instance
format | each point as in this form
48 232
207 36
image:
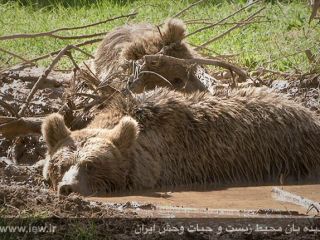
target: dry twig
230 23
51 33
246 21
187 8
34 89
222 20
183 10
17 56
9 108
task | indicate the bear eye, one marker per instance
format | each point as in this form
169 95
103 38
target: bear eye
90 167
177 81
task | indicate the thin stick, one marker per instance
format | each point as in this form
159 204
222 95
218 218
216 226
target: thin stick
229 30
187 8
208 20
41 34
17 56
43 77
207 49
95 76
183 11
158 75
230 23
78 36
84 52
9 108
222 20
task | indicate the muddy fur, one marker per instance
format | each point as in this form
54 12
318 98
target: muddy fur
132 42
178 139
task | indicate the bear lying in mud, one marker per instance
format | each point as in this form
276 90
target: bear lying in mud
166 138
133 42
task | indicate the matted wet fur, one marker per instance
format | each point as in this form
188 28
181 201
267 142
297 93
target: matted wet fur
132 42
166 138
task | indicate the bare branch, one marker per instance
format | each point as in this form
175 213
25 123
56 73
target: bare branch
20 127
17 56
51 33
187 8
43 77
78 36
247 21
222 20
9 108
154 58
183 11
230 23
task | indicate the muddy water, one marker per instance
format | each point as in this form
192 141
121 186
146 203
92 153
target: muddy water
234 201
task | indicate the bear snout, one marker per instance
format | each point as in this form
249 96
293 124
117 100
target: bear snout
65 190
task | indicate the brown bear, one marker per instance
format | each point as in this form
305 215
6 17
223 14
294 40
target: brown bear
166 138
133 42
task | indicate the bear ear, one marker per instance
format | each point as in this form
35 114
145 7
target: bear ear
54 130
125 133
173 31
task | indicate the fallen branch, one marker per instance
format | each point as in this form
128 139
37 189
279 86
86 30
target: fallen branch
79 36
247 21
20 127
17 56
284 196
51 33
43 77
9 108
5 119
201 61
88 76
222 20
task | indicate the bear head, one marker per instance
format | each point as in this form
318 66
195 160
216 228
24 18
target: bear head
88 161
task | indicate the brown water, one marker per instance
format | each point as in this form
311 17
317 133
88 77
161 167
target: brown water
234 201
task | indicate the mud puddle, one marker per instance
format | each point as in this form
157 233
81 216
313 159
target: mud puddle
231 202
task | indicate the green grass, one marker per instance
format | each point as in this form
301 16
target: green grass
285 30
